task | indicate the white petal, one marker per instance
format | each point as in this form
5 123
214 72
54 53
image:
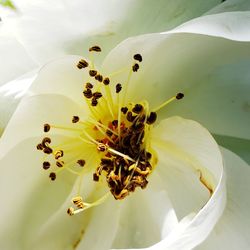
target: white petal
83 23
232 231
196 65
33 112
147 216
14 60
194 150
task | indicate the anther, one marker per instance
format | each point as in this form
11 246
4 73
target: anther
82 64
58 154
52 176
118 87
109 133
71 211
46 127
97 95
81 162
95 177
95 48
99 77
46 165
75 119
59 164
179 96
151 118
101 147
39 146
138 57
115 123
78 201
135 67
47 150
92 72
130 116
106 81
45 141
88 85
88 93
124 110
94 102
138 108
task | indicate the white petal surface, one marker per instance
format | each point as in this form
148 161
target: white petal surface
83 23
233 229
196 65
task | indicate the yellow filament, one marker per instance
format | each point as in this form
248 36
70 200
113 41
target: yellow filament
164 104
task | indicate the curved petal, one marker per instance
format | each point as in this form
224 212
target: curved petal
232 231
196 65
188 150
83 23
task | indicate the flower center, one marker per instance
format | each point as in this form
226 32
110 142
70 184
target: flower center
113 141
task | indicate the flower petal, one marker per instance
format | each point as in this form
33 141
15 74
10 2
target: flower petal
196 65
232 231
191 148
83 23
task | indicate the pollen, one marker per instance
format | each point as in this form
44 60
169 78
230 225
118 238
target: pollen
112 143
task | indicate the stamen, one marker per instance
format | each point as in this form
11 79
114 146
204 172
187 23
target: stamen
46 165
88 85
46 127
92 72
118 87
82 64
95 48
106 81
81 162
52 176
75 119
135 67
138 57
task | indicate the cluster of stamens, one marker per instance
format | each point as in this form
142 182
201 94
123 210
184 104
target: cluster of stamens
124 154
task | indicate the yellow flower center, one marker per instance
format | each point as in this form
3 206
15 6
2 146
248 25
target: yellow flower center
115 136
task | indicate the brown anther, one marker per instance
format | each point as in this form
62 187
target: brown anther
95 177
59 164
106 161
75 119
106 81
109 133
115 123
118 88
82 64
78 201
46 165
124 110
99 77
94 102
81 162
45 141
138 57
151 118
47 150
179 96
46 127
130 116
87 93
97 95
122 194
95 48
71 211
52 176
92 72
135 67
88 85
138 108
58 154
39 146
101 147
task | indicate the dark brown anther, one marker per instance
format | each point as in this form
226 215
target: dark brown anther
75 119
87 93
118 88
45 141
138 57
81 162
99 77
52 176
138 108
39 146
109 133
151 118
95 48
130 116
47 150
95 177
101 147
59 154
135 67
88 85
106 161
124 110
115 123
46 165
82 64
59 164
46 127
92 72
94 102
106 81
97 95
179 96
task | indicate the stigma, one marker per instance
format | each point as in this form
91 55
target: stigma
112 143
